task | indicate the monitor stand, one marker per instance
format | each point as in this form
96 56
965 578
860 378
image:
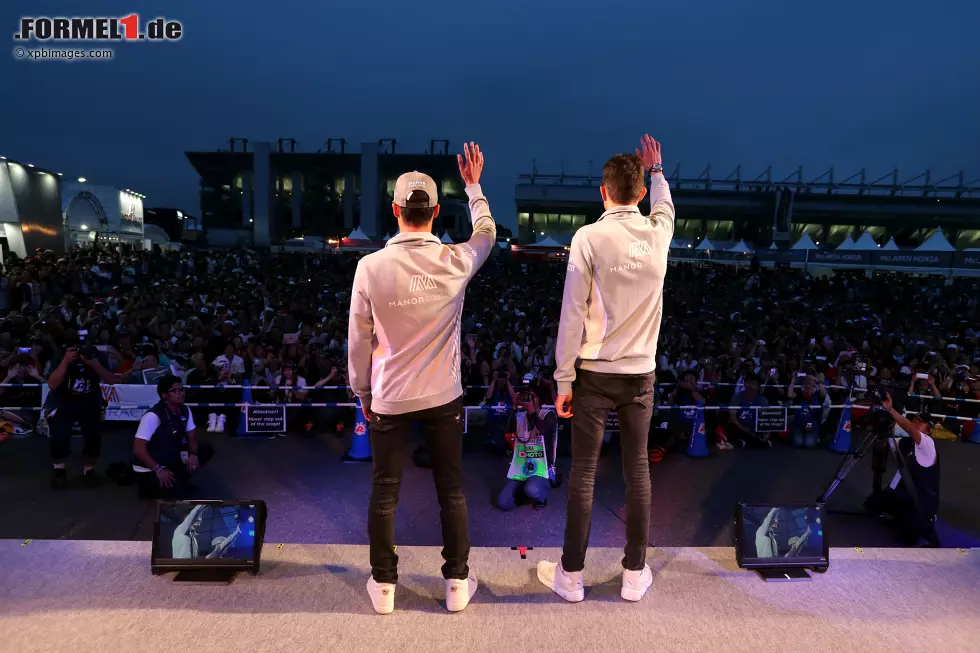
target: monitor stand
783 574
205 576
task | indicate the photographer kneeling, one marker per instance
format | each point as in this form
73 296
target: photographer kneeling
531 472
918 451
166 451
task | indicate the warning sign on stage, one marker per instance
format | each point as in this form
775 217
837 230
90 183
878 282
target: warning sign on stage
265 419
770 419
612 422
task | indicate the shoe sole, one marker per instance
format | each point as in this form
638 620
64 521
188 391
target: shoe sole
574 596
634 595
383 610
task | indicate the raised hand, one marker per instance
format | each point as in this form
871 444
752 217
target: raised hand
650 152
470 163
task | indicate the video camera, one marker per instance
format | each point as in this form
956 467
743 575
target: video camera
86 349
877 419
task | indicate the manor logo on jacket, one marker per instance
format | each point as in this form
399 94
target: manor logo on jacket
639 248
420 282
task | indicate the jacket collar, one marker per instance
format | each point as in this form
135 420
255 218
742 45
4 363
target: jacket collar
414 238
621 213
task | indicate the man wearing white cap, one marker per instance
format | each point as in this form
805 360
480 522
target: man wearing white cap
404 366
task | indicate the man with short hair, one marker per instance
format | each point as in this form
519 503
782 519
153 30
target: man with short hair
166 452
404 362
607 342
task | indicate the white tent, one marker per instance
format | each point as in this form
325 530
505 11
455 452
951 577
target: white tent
865 243
805 242
387 238
548 241
847 244
357 234
936 243
890 245
740 247
705 245
446 239
773 246
674 244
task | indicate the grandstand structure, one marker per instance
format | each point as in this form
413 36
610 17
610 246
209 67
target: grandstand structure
764 210
261 193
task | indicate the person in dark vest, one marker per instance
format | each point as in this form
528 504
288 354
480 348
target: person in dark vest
75 399
916 524
166 452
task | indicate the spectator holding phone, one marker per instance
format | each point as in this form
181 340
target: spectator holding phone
811 405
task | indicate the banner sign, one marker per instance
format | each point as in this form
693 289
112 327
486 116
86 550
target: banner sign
840 258
966 260
265 419
913 259
781 255
117 396
770 419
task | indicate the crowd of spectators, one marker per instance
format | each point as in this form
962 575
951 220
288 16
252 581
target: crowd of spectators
739 336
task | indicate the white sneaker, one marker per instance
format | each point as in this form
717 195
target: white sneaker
636 583
459 592
212 422
382 596
567 585
219 427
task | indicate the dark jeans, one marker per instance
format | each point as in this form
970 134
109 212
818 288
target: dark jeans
534 489
390 435
148 485
62 427
632 398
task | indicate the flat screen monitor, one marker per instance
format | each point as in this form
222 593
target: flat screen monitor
191 535
781 535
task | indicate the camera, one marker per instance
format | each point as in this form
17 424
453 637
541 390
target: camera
877 419
86 350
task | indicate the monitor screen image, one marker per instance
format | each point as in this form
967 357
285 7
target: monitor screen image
188 531
781 535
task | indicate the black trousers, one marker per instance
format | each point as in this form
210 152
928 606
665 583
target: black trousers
390 436
62 427
632 398
148 485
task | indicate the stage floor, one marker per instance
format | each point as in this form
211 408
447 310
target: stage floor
314 498
100 596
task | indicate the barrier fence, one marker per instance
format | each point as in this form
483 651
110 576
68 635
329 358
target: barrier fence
123 411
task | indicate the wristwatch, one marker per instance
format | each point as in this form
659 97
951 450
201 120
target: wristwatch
655 168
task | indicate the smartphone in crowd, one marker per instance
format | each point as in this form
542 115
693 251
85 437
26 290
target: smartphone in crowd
800 375
921 375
